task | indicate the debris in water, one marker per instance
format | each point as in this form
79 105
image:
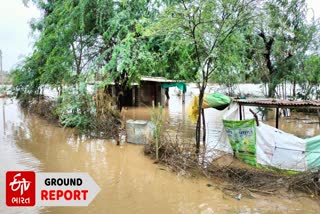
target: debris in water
239 197
203 205
209 185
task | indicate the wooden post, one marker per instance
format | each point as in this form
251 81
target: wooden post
255 116
240 110
243 113
183 97
133 96
138 98
277 118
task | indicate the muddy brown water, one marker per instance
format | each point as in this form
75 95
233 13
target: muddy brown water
129 181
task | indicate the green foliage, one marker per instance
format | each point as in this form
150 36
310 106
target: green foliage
76 108
130 54
26 78
205 26
312 69
282 41
309 79
225 41
191 40
3 89
233 65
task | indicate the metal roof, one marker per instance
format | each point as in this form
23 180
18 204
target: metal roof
158 79
274 103
108 83
144 78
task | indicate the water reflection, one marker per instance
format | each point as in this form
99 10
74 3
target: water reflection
300 124
12 157
177 122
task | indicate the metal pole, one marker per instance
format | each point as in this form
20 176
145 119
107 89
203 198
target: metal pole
277 118
183 97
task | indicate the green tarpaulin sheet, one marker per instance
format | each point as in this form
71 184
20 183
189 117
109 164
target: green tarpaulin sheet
182 86
216 100
313 150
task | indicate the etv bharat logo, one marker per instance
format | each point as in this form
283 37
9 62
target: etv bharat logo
20 188
51 189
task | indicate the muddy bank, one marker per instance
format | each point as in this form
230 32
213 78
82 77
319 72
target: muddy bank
104 122
239 179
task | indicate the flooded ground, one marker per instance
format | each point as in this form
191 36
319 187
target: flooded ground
129 181
177 121
300 124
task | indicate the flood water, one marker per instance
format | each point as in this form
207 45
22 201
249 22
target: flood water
177 122
129 181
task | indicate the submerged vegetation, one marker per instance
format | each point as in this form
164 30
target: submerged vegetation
156 119
234 176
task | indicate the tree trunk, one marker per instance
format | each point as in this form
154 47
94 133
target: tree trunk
294 89
120 86
271 90
198 128
268 43
203 129
117 92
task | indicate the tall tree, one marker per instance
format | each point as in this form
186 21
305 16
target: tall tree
310 78
206 26
127 54
283 37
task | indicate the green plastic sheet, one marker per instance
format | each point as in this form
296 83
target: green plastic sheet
181 85
313 150
217 100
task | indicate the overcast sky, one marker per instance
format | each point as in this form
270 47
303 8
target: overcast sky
15 34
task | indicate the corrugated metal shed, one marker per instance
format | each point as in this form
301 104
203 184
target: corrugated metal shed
159 79
272 103
144 78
